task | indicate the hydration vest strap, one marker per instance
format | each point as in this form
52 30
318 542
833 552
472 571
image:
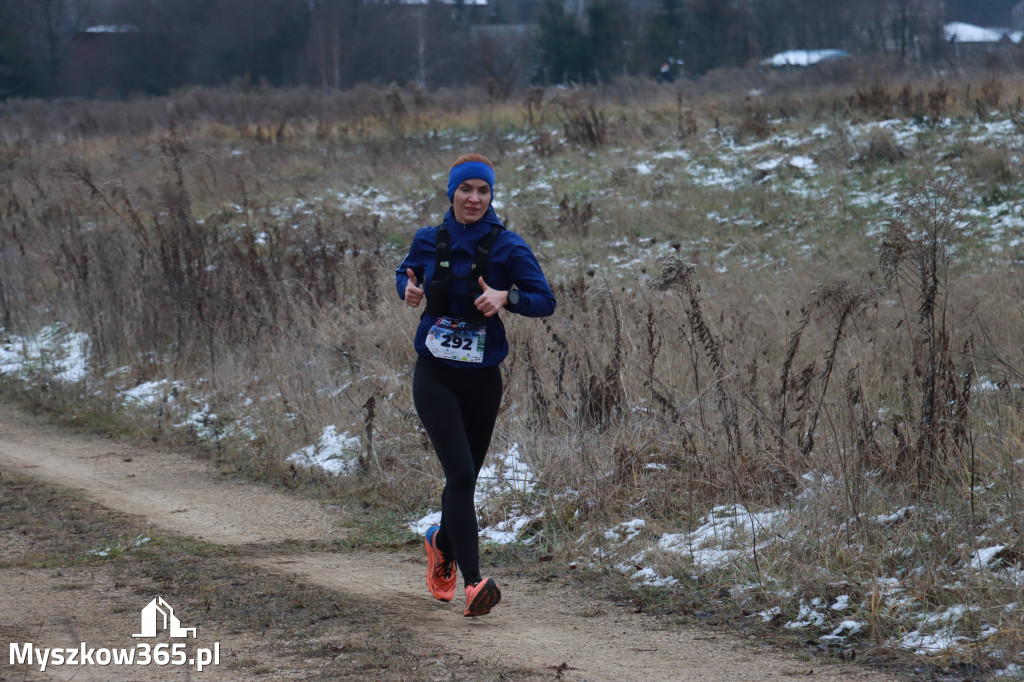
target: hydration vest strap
437 292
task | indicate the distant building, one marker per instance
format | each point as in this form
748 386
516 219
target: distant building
976 44
103 60
959 32
104 49
803 57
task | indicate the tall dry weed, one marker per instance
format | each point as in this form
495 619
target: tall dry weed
584 123
916 255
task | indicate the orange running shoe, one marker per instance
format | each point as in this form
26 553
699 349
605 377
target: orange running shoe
440 569
482 597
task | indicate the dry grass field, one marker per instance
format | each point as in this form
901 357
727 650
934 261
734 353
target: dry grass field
784 381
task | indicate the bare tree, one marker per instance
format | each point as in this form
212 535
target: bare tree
717 34
51 26
503 54
16 65
908 28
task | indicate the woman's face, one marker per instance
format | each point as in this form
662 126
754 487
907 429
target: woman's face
471 200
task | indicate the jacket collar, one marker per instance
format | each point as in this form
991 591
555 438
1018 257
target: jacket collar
489 218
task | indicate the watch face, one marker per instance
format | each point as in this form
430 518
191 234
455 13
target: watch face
513 297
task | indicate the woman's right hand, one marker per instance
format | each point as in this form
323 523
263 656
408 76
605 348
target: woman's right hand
413 293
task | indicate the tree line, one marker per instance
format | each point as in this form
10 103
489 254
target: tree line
123 47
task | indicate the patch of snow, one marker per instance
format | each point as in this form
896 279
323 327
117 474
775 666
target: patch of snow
804 163
421 526
803 57
769 165
886 519
648 576
54 351
808 616
138 541
336 454
504 472
844 630
713 543
150 392
983 557
625 531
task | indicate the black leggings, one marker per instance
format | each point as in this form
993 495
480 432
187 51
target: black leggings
458 408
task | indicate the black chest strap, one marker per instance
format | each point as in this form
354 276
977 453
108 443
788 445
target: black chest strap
440 283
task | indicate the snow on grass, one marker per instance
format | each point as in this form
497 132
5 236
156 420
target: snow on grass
649 577
706 176
120 548
421 526
809 615
376 202
674 155
203 422
942 638
151 392
507 531
504 472
895 517
843 630
723 536
982 558
804 163
337 454
55 352
504 475
769 164
1012 671
625 531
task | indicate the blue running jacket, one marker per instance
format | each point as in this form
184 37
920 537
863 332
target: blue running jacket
512 262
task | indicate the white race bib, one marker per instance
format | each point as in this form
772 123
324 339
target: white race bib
453 339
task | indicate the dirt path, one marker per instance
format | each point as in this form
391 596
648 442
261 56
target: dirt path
539 626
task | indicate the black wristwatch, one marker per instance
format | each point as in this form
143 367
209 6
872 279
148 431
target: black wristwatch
513 298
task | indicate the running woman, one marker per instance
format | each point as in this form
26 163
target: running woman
468 269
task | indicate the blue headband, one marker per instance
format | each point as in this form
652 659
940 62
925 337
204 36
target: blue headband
470 170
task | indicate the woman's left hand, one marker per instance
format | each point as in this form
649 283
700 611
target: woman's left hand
491 301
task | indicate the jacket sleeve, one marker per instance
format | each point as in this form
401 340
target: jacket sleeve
535 296
419 252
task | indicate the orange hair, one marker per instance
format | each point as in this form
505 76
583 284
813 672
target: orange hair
472 157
